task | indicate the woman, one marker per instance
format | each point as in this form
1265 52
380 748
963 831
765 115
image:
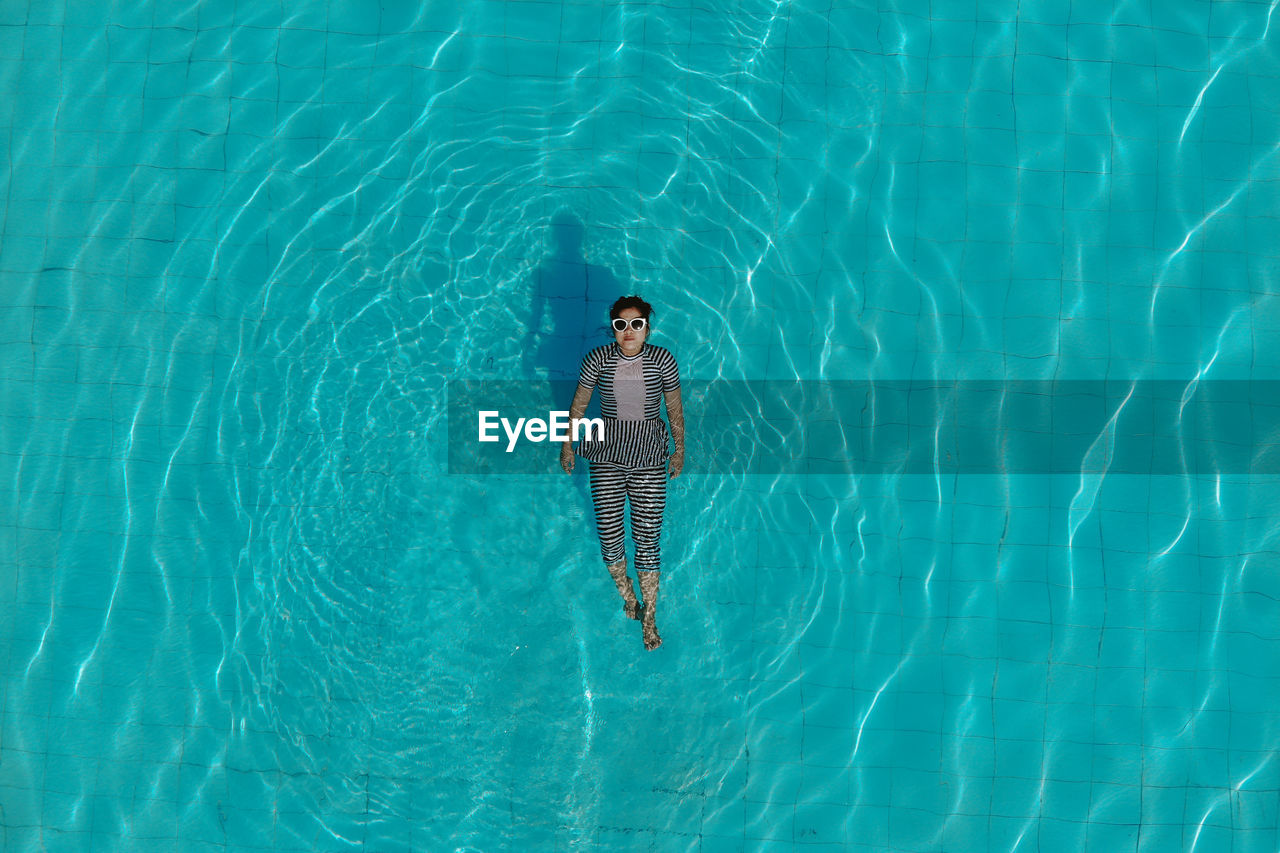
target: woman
631 461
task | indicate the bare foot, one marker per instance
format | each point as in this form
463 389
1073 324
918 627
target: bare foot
651 638
631 607
649 587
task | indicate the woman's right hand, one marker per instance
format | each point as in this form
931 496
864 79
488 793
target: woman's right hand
566 457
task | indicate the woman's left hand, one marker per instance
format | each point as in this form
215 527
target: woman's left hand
676 464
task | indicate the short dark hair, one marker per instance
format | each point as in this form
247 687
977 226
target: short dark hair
626 302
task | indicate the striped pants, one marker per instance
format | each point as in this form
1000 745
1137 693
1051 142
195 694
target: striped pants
647 490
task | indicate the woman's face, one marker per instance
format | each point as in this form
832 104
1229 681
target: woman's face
629 339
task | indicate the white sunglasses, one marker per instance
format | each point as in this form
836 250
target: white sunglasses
620 325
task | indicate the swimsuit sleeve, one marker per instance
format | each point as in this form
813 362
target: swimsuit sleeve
669 372
590 369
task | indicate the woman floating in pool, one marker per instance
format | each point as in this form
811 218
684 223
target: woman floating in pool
632 460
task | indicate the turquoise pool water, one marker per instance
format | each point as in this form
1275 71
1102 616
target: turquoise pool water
244 604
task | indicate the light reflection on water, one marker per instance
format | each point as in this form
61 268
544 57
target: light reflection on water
248 249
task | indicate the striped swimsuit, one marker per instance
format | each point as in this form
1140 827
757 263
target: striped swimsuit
630 462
